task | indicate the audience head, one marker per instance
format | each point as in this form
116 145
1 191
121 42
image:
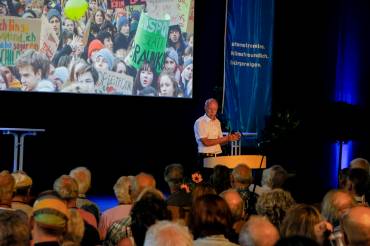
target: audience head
7 183
143 180
360 163
22 180
304 220
335 204
14 228
123 189
358 182
235 203
220 178
83 177
145 212
258 231
241 176
209 216
202 189
274 204
66 187
168 233
274 177
75 228
174 175
50 214
356 225
23 183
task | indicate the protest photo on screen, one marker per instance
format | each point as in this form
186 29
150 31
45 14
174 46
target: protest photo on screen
108 47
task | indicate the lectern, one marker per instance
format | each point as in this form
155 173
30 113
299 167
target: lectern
236 158
253 161
19 134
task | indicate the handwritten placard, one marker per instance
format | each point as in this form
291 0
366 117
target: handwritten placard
19 34
114 83
16 36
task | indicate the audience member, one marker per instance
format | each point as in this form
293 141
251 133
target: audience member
210 221
274 205
67 189
305 220
358 184
174 176
258 231
273 177
356 225
241 179
164 233
49 220
122 190
22 192
360 163
220 178
7 184
236 205
14 229
82 175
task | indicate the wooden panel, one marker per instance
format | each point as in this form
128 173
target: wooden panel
253 161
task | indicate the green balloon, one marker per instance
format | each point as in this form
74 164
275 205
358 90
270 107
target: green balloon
75 9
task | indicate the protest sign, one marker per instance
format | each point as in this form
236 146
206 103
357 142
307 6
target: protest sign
179 11
114 83
18 35
149 43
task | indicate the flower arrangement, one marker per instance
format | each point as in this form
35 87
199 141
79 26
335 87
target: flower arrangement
189 185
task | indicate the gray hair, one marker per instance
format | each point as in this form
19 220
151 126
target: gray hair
274 177
209 101
83 177
123 189
167 233
258 231
242 174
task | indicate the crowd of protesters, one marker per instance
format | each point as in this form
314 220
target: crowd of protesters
100 41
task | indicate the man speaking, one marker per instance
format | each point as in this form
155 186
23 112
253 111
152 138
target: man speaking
208 133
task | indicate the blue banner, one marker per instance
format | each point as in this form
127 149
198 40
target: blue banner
248 64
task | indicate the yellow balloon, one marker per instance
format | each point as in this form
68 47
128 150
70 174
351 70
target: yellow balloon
75 9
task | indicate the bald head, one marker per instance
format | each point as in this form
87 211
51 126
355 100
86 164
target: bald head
258 231
360 163
143 180
235 203
356 225
241 176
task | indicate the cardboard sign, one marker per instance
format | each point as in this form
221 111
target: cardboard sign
149 43
48 39
184 7
18 35
179 11
158 9
114 83
190 24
